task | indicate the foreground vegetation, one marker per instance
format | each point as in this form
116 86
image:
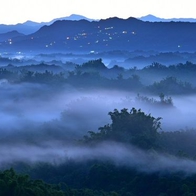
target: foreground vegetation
139 134
104 177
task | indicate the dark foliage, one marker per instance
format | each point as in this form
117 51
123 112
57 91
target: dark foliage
171 85
154 79
164 100
15 185
133 127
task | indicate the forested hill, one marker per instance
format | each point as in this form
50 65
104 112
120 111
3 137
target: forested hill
108 34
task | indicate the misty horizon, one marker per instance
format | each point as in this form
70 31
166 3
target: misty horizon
148 17
98 106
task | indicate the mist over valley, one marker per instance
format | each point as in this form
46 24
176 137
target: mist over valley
99 107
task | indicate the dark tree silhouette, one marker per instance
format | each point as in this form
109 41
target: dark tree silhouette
134 127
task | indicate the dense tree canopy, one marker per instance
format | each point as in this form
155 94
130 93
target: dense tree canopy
134 127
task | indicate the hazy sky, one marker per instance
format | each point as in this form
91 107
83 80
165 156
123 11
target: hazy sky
15 11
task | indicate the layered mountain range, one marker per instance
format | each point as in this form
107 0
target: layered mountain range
104 35
152 18
29 26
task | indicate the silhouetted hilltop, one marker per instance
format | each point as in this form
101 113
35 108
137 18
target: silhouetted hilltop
25 28
9 35
29 26
110 34
152 18
72 17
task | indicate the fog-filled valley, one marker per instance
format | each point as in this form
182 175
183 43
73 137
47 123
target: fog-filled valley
98 124
98 107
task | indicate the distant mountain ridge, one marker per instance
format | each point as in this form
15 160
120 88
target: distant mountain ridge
107 34
8 36
29 27
152 18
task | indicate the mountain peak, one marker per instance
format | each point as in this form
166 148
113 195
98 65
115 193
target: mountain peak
72 17
152 18
30 23
77 17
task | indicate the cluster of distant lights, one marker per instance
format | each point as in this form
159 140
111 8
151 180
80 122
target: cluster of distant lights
10 41
50 44
85 35
75 38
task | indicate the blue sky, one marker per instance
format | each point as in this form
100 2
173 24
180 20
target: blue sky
15 11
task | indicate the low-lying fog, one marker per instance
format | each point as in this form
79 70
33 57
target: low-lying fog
44 123
120 155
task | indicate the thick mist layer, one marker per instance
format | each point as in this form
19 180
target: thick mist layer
21 103
116 153
25 104
45 123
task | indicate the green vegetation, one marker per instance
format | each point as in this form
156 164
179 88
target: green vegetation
164 100
99 177
154 79
171 85
132 128
16 185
